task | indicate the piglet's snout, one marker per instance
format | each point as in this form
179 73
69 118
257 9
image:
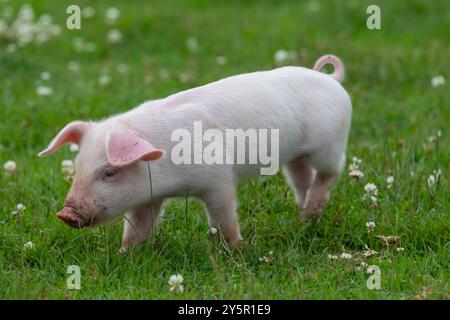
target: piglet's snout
69 216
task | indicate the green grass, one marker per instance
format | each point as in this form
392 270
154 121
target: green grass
389 78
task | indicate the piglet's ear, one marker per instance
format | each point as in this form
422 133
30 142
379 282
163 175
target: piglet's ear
124 148
73 132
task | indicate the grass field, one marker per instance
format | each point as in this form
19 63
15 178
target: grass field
396 120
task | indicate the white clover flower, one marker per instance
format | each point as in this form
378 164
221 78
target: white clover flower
332 257
112 15
353 169
212 231
164 74
370 225
192 44
390 181
81 45
114 36
87 12
400 249
67 167
73 66
28 245
183 77
74 147
175 282
104 80
345 255
437 81
282 57
122 68
11 48
356 160
431 181
20 208
44 91
369 252
221 60
10 167
45 75
371 189
371 192
437 173
265 259
357 174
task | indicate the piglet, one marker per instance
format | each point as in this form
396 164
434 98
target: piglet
126 162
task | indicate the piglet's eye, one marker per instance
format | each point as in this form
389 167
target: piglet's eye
110 173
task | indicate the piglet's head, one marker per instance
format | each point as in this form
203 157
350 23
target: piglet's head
110 172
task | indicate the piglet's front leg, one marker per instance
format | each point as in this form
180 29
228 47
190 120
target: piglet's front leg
138 224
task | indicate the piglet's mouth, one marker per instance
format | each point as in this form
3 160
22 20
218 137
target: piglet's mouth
70 217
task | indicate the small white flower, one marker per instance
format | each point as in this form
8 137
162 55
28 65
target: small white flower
439 133
175 282
20 208
356 160
369 252
10 167
437 81
44 91
431 181
192 44
183 77
345 255
45 75
400 249
212 231
332 257
81 45
73 66
67 168
122 68
74 147
104 80
114 36
164 74
87 12
112 15
28 245
357 174
437 173
11 48
353 169
390 181
281 57
221 60
265 259
370 225
371 189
